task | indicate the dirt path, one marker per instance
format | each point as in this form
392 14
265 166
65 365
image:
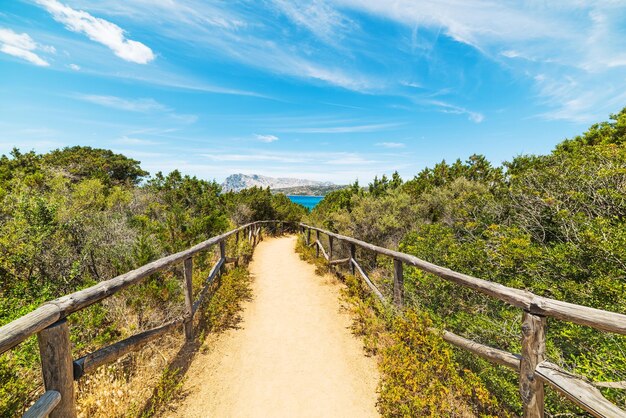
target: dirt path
294 355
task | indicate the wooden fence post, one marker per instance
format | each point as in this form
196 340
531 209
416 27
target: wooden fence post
330 249
188 287
308 236
57 367
533 353
352 257
317 247
223 256
398 283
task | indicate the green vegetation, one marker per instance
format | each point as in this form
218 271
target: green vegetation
419 375
76 216
552 224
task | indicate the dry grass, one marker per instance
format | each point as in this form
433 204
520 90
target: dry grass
143 383
123 389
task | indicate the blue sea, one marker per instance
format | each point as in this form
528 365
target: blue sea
306 201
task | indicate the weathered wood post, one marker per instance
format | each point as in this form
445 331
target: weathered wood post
317 247
236 249
352 257
223 256
398 283
533 353
308 236
188 289
282 226
57 367
330 248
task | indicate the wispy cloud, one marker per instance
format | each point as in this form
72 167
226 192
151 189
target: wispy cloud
266 138
343 129
580 40
238 33
142 105
320 18
457 110
258 157
99 30
74 67
391 144
21 45
350 159
314 158
125 140
119 103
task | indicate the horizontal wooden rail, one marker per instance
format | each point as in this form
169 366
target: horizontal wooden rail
371 285
531 365
48 322
494 355
50 312
321 247
44 405
112 352
610 385
578 390
207 283
538 305
339 261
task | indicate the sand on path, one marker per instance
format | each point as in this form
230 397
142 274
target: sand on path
293 354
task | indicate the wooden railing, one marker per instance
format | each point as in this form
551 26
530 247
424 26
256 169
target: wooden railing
59 369
531 364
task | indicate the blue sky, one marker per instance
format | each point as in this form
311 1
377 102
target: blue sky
324 89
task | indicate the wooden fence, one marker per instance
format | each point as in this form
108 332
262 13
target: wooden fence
59 369
533 368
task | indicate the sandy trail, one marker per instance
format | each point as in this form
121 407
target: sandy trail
294 355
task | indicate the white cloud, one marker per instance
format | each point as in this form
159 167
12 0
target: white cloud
317 16
350 159
241 34
583 41
412 84
511 53
343 129
74 67
457 110
313 159
99 30
21 45
125 140
390 144
473 23
266 138
260 157
136 105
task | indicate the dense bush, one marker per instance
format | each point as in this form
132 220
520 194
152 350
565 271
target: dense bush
552 224
76 216
419 375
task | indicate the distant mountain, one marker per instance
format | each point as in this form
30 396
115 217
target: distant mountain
309 190
237 182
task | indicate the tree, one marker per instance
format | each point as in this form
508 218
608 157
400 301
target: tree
86 162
